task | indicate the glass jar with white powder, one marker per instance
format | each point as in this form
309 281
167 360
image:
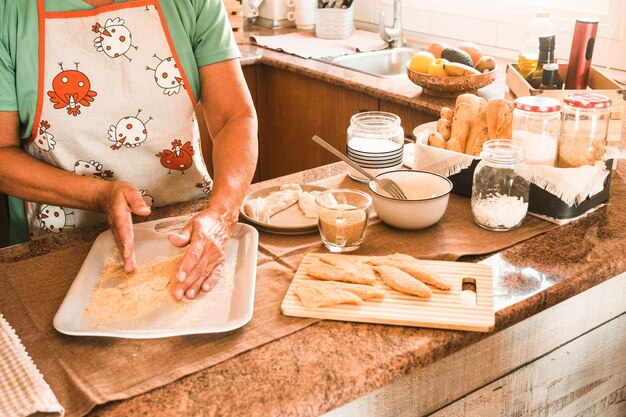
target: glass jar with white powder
499 191
375 141
536 123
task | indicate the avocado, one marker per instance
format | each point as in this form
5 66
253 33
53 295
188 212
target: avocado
457 55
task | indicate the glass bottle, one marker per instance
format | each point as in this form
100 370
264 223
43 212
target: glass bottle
527 57
584 129
375 141
550 79
499 191
546 56
536 124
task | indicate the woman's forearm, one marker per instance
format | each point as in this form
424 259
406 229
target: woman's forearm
25 177
235 153
233 126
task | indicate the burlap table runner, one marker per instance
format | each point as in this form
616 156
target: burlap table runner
85 371
453 236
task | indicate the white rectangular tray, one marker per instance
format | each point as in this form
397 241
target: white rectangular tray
226 307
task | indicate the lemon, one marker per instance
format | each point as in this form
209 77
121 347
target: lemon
421 60
437 67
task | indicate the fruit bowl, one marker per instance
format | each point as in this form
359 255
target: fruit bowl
450 86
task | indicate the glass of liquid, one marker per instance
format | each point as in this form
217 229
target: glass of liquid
343 216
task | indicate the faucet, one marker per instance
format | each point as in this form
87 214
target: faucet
393 34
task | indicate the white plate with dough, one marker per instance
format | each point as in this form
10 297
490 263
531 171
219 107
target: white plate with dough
144 310
290 221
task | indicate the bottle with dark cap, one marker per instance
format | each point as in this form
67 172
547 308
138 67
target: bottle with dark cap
546 56
550 79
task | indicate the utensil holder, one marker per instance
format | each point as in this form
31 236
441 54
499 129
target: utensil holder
334 23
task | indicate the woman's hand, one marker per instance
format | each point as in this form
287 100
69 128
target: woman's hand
207 235
118 200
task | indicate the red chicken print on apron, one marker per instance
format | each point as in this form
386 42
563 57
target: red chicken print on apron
71 88
44 140
178 158
114 38
129 131
167 75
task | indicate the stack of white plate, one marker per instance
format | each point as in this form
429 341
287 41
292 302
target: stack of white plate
386 156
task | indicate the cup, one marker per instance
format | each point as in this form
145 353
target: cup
342 220
303 13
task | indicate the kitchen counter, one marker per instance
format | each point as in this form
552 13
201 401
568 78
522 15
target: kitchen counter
330 364
399 90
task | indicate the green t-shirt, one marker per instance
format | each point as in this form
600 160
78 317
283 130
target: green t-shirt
200 32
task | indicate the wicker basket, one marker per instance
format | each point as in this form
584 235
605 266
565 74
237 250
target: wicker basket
450 86
334 23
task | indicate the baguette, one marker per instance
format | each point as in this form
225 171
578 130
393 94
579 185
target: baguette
461 124
499 118
446 113
464 98
443 127
454 145
505 127
435 139
478 133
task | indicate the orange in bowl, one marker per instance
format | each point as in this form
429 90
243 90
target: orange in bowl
435 48
472 50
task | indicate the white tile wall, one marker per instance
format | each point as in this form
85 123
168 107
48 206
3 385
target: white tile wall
497 25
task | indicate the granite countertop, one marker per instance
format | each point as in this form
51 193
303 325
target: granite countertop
399 90
288 377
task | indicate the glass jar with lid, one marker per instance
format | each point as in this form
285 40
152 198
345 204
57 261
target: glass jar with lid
536 123
499 190
375 141
584 129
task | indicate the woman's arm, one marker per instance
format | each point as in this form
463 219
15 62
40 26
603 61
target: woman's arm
24 176
232 123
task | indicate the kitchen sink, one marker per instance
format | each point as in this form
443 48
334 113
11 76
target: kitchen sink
385 63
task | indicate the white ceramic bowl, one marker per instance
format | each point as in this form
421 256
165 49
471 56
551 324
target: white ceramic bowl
427 201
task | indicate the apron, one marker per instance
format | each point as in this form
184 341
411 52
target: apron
114 104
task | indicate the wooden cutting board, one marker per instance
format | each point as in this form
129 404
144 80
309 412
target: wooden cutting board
444 310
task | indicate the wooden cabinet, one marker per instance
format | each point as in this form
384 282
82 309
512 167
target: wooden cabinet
293 108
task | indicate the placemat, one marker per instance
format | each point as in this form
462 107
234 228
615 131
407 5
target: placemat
85 371
455 235
306 45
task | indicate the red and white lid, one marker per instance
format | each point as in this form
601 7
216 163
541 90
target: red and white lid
587 101
538 104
